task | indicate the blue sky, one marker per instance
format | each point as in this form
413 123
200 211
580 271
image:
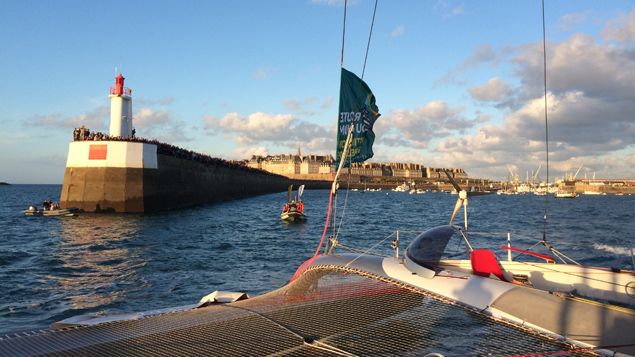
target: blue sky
458 83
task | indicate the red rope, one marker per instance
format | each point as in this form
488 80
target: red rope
307 263
326 225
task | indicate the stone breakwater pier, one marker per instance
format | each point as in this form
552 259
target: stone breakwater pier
134 176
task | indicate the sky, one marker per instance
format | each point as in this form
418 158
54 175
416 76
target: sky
458 83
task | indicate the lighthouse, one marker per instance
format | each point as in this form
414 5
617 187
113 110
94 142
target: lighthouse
120 109
105 174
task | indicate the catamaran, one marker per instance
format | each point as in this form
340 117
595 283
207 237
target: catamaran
588 307
421 301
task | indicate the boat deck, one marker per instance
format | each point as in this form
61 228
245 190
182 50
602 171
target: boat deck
324 312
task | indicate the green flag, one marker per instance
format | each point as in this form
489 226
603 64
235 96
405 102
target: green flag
357 108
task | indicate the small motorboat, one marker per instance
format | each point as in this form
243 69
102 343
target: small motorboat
402 188
293 210
59 212
565 194
292 216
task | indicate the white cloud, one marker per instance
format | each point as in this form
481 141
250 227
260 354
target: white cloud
493 90
263 73
435 119
578 64
253 128
591 103
269 129
242 153
483 54
569 21
146 118
160 124
308 106
448 11
398 31
621 29
95 119
301 107
577 135
148 121
457 10
326 104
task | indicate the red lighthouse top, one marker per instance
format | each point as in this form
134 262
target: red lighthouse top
119 84
119 89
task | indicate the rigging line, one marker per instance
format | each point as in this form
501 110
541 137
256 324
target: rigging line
343 35
334 223
323 346
561 255
372 24
544 63
348 186
358 251
528 249
368 250
332 194
308 341
326 224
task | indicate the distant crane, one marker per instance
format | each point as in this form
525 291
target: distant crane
535 176
514 177
576 173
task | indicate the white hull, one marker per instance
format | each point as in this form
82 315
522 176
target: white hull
70 212
585 323
589 282
566 195
293 216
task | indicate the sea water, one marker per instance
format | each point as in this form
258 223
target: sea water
52 268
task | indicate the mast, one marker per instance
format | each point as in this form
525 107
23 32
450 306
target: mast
544 68
289 193
347 145
357 115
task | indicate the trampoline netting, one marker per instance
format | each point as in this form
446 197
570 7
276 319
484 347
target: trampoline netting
327 311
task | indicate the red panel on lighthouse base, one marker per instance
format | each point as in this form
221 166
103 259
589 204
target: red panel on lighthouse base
98 152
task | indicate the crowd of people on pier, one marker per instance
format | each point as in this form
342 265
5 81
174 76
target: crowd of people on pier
84 134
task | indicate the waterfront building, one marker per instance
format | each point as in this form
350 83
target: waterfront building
314 164
409 170
366 169
292 165
438 173
327 168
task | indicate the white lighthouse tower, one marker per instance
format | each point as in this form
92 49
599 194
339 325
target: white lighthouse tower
120 109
